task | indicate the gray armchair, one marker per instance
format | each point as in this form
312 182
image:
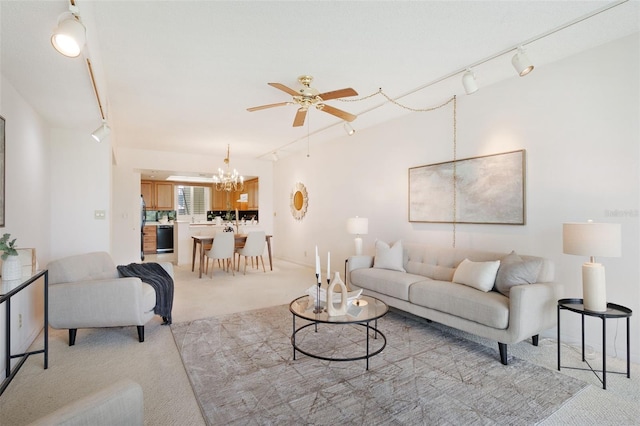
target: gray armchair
85 291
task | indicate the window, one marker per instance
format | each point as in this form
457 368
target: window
192 201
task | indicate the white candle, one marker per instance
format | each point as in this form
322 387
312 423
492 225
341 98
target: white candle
328 265
317 263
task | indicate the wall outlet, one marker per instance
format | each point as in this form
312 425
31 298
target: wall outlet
19 320
305 253
99 214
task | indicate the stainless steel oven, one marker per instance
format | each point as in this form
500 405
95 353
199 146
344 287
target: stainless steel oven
164 235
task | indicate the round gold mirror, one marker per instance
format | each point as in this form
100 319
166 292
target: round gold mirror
299 201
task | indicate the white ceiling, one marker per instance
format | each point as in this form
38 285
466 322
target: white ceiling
179 75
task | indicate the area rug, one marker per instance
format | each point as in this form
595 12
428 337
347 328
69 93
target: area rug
242 371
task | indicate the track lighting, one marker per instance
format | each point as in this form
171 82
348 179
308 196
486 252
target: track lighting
348 128
521 62
101 132
469 82
274 156
70 35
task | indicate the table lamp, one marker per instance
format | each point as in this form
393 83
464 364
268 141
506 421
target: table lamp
592 239
358 226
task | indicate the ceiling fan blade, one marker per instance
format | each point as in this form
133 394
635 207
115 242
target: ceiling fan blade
258 108
284 88
337 112
342 93
300 116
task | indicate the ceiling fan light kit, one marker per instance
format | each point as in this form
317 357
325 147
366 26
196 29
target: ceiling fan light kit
307 97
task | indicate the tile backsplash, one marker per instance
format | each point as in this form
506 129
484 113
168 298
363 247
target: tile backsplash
155 215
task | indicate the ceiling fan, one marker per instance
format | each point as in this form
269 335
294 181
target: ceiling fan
308 96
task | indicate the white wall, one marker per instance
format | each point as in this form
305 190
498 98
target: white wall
80 185
578 121
27 207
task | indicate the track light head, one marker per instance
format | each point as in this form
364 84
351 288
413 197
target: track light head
348 128
101 132
469 82
521 63
274 156
70 35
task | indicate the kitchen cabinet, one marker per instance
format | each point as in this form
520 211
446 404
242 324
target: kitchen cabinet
164 195
149 240
251 188
157 195
219 200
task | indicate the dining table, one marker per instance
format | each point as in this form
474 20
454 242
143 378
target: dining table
202 240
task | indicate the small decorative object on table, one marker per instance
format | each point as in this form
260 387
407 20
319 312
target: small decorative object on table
11 265
331 309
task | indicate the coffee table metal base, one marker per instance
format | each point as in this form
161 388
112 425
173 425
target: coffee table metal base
365 324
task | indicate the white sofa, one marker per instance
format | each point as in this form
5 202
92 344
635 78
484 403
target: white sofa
86 291
427 290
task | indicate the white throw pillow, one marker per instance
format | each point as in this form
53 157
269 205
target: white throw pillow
388 257
479 275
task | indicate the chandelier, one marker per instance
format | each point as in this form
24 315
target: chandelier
226 180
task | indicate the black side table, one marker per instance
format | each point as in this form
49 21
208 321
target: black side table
613 311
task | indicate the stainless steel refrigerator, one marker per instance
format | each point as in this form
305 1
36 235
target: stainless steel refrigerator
143 221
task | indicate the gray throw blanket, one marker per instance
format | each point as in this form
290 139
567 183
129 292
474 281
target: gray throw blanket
154 275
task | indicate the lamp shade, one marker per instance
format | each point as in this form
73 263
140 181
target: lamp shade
358 225
592 239
69 37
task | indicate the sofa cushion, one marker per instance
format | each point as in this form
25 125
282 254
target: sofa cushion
490 309
392 283
389 257
515 271
83 267
479 275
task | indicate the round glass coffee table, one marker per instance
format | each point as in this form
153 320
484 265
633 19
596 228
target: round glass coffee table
363 312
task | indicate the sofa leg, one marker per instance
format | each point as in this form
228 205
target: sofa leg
503 352
141 333
534 339
72 336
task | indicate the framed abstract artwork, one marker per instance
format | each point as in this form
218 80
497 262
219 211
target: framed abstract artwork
488 190
2 150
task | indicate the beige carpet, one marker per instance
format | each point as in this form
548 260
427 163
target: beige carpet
102 356
242 369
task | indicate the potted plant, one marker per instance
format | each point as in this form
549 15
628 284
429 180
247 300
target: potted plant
11 266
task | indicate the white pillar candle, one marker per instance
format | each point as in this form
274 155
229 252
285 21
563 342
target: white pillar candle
328 265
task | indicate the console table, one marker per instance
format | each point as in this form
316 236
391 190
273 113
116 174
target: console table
613 311
8 289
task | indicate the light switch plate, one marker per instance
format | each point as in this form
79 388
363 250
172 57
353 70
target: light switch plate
99 214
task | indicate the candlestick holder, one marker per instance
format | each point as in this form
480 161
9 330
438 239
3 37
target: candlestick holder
318 309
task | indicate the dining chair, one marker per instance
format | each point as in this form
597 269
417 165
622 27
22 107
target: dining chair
222 249
254 246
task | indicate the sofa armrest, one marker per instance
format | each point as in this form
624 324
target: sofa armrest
97 303
168 266
533 308
119 404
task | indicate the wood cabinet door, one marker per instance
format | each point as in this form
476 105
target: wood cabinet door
164 196
252 190
149 240
146 190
